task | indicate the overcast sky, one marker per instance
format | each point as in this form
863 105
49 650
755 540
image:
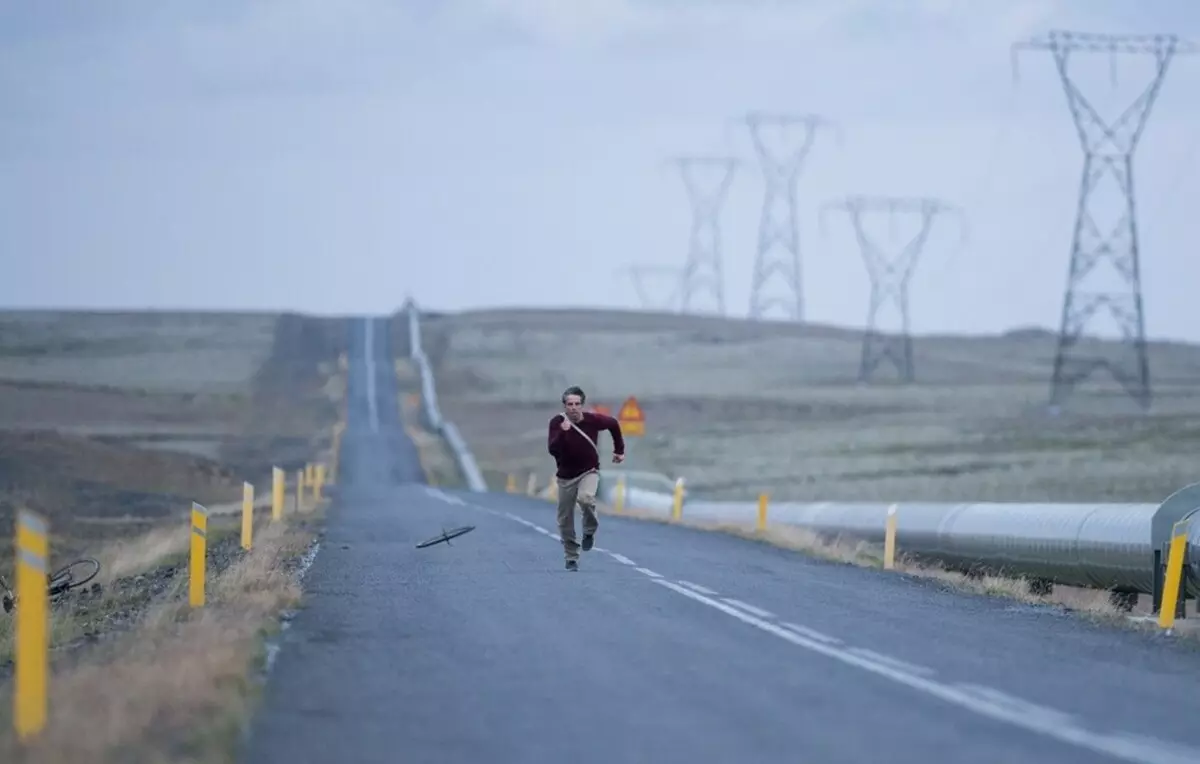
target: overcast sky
337 156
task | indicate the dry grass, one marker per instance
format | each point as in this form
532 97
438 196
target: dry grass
121 558
737 409
176 687
130 556
148 351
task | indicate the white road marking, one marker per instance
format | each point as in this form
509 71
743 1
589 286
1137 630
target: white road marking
888 660
648 572
621 558
1052 724
698 588
751 609
804 631
1000 698
372 404
440 495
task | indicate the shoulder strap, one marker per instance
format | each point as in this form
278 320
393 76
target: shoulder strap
584 434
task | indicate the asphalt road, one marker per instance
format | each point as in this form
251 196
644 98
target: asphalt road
671 644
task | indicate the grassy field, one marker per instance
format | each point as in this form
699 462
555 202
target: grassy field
738 408
111 424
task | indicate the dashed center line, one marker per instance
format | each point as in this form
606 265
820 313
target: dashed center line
698 588
648 572
888 660
751 609
804 631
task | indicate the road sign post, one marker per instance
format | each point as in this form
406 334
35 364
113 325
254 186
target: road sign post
30 701
632 419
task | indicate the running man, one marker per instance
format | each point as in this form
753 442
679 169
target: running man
572 443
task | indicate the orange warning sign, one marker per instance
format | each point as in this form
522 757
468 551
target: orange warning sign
633 421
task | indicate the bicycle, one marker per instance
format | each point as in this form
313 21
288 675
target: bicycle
60 581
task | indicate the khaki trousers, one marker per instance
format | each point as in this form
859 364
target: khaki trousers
581 490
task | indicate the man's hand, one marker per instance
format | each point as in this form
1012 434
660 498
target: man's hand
565 424
618 458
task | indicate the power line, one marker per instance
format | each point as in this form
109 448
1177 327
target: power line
777 284
703 271
1108 149
890 273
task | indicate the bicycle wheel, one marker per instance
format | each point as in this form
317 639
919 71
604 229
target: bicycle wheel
446 536
73 575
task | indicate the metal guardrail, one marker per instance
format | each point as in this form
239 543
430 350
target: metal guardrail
1118 547
430 412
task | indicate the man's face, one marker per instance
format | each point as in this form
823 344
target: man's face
574 406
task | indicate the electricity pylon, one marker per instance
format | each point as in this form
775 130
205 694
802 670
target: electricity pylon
777 285
1105 239
703 271
890 273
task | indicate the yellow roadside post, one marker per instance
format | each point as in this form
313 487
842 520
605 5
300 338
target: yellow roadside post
33 625
531 484
1170 595
889 539
310 476
762 512
552 494
318 481
511 485
196 568
277 489
299 490
677 501
247 514
619 502
337 450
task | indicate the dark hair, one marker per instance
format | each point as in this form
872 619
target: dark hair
574 390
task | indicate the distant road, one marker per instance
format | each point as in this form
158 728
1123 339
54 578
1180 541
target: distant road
671 644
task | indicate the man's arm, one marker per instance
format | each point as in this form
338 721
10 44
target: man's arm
554 442
614 428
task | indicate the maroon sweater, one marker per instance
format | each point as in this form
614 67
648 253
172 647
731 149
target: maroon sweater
572 452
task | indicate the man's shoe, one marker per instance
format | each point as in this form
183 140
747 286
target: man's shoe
572 565
589 541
